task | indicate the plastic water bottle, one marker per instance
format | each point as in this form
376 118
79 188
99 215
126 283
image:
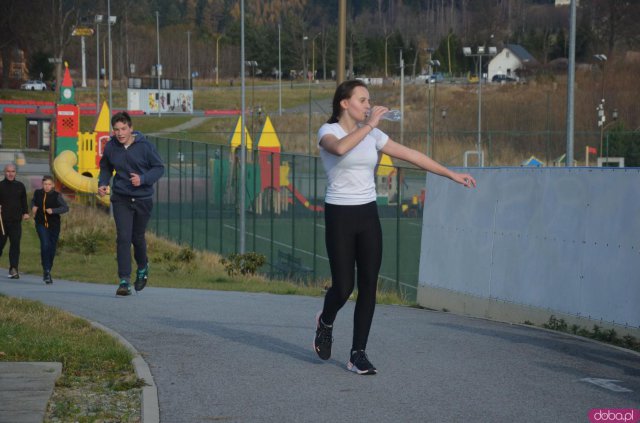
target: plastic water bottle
392 115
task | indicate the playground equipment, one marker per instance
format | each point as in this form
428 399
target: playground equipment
76 161
272 176
76 149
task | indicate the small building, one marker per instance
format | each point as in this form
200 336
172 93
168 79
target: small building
174 95
513 61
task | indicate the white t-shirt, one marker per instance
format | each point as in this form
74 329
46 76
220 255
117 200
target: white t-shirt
350 177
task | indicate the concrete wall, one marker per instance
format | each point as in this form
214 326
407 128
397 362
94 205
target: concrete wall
532 242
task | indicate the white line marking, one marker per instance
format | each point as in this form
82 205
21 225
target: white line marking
606 384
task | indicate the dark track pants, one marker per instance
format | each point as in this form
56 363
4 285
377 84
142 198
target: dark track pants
353 239
131 216
13 232
48 242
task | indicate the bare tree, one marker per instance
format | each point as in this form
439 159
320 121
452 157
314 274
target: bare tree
15 26
64 16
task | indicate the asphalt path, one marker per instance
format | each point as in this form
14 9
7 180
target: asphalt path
246 357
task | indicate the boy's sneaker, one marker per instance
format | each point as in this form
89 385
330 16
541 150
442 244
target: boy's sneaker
324 338
360 364
124 289
13 273
47 278
141 278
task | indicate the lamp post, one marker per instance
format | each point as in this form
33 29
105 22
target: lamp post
279 72
304 56
313 56
449 52
614 116
252 64
431 137
158 66
110 22
601 123
602 59
386 39
217 55
189 58
480 53
401 98
98 21
443 115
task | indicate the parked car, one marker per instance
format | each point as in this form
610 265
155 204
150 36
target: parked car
436 77
34 85
503 78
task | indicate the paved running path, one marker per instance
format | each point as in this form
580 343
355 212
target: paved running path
241 357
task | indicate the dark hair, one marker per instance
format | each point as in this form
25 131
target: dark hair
122 117
343 91
47 178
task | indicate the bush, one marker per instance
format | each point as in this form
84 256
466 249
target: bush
243 264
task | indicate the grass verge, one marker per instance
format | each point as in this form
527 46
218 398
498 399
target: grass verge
98 382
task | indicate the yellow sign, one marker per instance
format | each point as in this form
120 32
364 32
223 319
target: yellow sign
82 32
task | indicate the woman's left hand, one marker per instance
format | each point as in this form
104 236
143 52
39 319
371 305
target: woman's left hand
464 179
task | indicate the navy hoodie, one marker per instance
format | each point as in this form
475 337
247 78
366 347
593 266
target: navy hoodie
141 158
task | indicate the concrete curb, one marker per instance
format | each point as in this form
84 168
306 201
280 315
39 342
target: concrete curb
150 408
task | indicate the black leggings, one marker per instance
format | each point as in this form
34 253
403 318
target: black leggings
353 238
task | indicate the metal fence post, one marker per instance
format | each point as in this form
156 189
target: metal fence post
206 196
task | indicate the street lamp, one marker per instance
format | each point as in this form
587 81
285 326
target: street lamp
109 20
401 98
449 52
480 53
112 21
614 117
304 56
252 64
386 39
313 56
434 64
98 21
279 71
158 66
601 123
217 56
602 59
189 59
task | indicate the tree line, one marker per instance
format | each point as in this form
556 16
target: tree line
302 34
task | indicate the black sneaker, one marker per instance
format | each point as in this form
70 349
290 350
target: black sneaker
47 278
141 278
124 289
13 273
360 364
324 338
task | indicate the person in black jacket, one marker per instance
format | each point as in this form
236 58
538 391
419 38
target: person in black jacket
137 167
13 210
47 205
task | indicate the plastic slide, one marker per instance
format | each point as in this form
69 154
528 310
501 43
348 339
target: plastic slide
303 199
64 171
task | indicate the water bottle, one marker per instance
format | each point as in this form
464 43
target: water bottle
392 115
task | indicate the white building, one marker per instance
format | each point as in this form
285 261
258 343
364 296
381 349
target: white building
566 3
512 58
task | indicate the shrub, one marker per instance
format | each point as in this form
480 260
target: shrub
243 264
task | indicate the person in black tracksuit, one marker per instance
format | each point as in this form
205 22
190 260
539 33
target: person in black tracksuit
13 210
137 167
47 205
